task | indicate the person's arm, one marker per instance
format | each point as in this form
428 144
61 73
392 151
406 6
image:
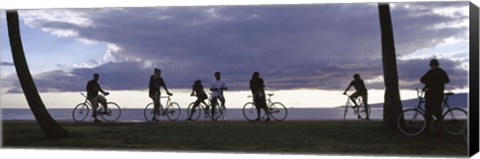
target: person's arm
252 87
350 85
101 90
193 90
262 85
224 86
162 83
212 87
425 78
446 79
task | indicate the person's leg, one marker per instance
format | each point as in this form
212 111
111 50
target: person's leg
222 100
102 101
195 105
94 102
353 98
257 106
214 102
428 113
365 105
437 111
156 105
263 105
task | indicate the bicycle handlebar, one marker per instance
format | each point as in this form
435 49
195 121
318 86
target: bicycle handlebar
421 93
83 94
268 94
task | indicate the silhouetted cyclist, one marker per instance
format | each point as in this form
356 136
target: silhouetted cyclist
361 90
197 90
257 86
217 86
92 95
156 81
434 80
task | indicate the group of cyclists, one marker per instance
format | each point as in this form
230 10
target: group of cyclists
217 87
434 81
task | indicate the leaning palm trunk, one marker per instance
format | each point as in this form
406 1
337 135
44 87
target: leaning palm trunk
48 125
392 107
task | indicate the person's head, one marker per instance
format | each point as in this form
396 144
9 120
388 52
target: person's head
157 71
256 75
217 75
356 76
434 63
198 82
96 76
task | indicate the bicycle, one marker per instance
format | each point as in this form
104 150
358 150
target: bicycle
112 113
196 113
219 115
172 111
357 110
277 110
412 121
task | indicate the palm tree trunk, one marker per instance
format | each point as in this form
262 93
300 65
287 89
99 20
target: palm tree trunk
48 125
392 107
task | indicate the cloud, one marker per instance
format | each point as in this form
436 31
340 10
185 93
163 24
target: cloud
292 46
135 76
7 64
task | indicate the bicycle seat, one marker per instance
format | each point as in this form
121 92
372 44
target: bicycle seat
270 94
449 93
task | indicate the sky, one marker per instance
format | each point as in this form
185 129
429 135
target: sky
305 53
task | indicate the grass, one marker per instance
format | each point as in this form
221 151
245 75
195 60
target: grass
297 137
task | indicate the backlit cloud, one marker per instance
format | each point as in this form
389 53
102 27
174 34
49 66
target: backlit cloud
292 46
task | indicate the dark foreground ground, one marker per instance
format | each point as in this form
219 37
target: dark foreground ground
292 137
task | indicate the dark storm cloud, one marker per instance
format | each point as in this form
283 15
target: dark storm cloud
134 75
292 46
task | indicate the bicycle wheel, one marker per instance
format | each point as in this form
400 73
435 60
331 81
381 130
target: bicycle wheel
453 121
80 112
363 114
173 111
113 112
278 111
149 111
223 113
413 124
219 113
347 105
194 113
249 111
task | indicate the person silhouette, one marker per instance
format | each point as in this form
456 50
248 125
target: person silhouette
361 90
92 95
217 87
156 81
197 90
434 80
257 86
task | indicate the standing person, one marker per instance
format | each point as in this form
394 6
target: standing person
434 80
156 81
257 86
361 90
92 95
217 86
197 90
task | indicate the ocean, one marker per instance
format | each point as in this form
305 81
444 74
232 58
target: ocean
136 115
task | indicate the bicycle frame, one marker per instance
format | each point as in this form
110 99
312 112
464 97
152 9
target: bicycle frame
421 100
268 100
105 111
87 102
356 110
